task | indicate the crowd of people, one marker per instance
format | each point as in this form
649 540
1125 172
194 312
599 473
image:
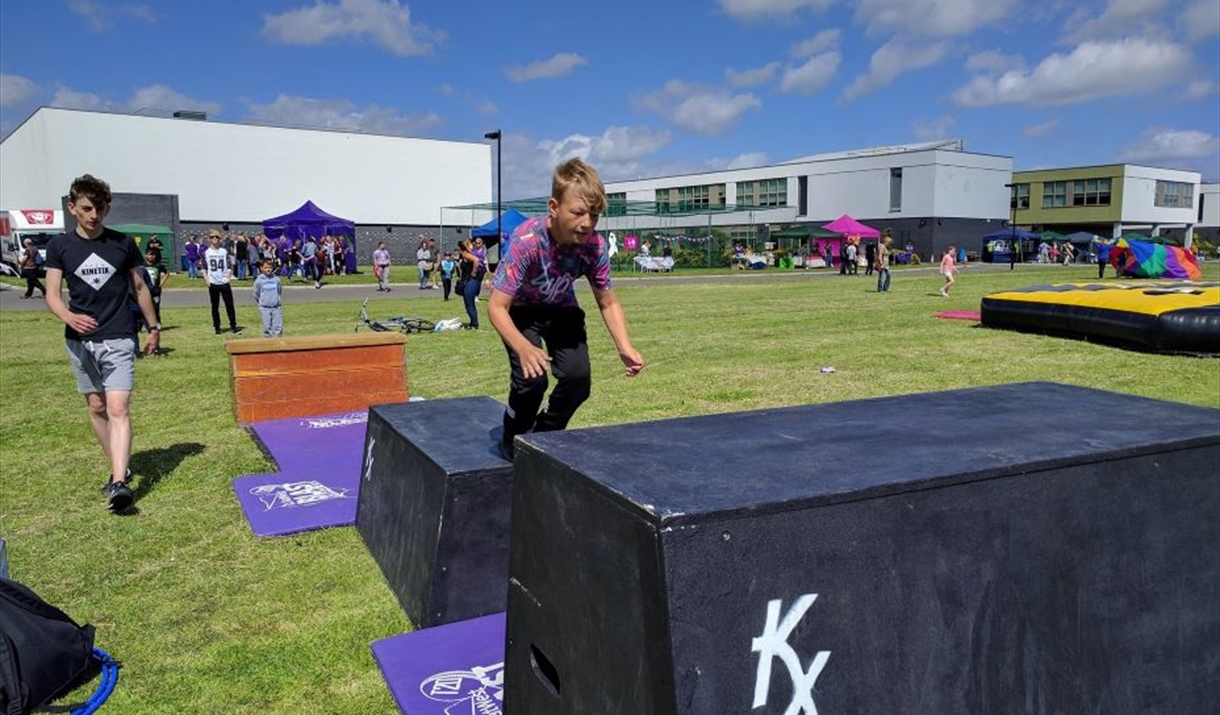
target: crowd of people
310 259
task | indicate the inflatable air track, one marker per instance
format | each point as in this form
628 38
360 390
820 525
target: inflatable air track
1157 315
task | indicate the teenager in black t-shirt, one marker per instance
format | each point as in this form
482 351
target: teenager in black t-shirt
102 267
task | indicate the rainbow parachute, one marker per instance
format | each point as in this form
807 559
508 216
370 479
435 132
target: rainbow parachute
1132 258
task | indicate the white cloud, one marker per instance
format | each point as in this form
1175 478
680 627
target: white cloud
386 24
486 107
155 100
892 59
93 12
447 89
698 108
938 128
751 77
812 75
15 89
71 99
1172 145
161 98
824 40
1041 130
101 17
1121 18
932 18
991 61
1091 71
617 153
557 66
1200 89
744 161
759 9
1201 20
341 114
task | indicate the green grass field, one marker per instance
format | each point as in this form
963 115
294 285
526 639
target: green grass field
206 618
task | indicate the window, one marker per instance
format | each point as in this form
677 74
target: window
802 196
1020 197
662 201
1091 192
616 204
765 192
896 189
1054 194
1175 194
693 198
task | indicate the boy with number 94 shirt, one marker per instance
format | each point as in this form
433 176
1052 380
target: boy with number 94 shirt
102 267
533 302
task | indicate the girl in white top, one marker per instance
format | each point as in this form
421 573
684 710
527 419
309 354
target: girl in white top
948 266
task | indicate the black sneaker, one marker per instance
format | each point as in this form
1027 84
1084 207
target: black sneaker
236 331
218 331
119 496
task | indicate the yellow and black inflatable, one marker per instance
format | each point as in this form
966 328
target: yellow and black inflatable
1159 315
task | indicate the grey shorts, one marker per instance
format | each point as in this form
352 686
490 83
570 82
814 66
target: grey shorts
103 365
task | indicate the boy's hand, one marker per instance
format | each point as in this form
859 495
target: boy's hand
82 324
534 361
633 360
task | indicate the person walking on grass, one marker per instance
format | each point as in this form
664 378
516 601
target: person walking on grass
381 267
882 264
218 272
102 268
948 266
533 302
30 265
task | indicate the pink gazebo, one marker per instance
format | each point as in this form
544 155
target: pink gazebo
847 226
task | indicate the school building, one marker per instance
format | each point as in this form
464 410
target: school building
930 195
192 174
1109 200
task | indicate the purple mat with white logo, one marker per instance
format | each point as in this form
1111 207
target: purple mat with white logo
454 669
319 478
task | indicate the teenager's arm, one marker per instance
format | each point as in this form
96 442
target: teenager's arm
83 324
616 324
534 360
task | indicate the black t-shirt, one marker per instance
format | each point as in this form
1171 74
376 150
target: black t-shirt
98 272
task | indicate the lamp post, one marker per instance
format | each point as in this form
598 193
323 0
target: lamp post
499 231
1012 224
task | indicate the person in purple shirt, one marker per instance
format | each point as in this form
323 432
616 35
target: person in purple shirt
533 303
192 257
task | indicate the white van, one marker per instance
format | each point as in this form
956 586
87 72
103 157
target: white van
38 225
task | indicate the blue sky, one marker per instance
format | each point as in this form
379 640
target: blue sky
652 88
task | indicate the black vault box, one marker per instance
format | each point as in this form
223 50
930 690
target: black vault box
1031 548
434 506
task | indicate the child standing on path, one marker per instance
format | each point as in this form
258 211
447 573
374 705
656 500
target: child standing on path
381 267
447 267
267 294
948 266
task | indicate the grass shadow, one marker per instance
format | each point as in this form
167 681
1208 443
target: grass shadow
152 465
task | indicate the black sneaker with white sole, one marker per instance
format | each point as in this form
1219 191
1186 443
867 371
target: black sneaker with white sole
119 496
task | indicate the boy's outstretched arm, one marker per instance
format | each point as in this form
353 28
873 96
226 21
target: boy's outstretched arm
616 325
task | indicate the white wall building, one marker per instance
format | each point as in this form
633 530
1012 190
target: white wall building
930 194
1209 206
240 173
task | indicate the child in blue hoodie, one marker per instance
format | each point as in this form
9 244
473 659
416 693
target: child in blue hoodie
267 291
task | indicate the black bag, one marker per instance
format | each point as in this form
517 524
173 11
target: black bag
43 652
459 288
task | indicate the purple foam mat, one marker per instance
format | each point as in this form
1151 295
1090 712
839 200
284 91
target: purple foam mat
318 485
454 669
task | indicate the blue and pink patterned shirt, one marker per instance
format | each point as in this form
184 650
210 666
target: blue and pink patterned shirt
536 270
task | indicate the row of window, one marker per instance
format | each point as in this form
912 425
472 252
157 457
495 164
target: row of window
1096 192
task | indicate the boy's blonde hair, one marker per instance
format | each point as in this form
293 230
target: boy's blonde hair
575 175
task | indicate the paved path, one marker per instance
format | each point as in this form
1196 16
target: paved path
197 296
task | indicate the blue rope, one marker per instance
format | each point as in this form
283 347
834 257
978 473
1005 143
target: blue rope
110 676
